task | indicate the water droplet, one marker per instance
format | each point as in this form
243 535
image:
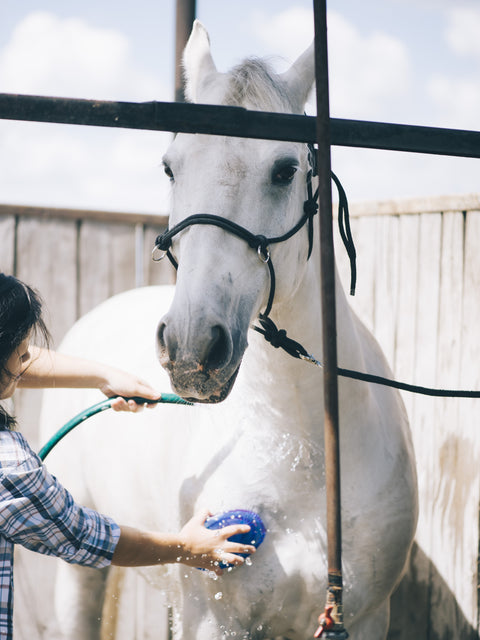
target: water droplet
212 575
218 595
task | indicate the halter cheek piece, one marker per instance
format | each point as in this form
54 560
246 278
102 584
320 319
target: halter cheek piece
277 337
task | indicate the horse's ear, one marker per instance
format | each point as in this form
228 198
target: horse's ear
299 79
198 64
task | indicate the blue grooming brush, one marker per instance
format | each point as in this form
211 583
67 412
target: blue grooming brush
239 516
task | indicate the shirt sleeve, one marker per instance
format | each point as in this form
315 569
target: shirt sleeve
37 512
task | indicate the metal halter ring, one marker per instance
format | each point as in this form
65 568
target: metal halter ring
264 257
154 256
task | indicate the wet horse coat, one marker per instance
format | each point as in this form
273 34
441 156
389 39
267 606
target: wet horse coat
255 441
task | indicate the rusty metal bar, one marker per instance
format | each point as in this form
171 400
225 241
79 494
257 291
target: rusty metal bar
238 122
334 605
185 15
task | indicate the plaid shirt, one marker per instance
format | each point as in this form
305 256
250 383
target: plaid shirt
38 513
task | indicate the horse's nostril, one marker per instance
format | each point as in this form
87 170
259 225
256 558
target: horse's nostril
160 335
165 346
219 349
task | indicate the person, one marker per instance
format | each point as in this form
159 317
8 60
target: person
36 511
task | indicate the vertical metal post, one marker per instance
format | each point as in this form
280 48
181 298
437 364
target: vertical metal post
185 16
331 622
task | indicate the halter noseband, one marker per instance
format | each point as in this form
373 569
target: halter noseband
278 338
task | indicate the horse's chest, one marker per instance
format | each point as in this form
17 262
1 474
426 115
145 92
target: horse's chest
251 469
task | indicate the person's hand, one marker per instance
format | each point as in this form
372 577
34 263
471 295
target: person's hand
206 548
120 383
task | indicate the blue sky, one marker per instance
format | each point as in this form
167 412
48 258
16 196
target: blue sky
408 61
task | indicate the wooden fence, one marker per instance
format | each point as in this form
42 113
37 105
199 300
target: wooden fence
418 290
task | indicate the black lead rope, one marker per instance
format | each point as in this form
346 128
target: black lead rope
343 218
345 232
426 391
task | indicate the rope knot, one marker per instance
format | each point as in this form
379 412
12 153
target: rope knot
163 242
310 207
276 337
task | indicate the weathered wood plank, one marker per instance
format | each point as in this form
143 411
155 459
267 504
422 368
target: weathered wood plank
411 603
46 259
107 261
386 283
94 265
444 510
122 258
7 244
405 326
466 485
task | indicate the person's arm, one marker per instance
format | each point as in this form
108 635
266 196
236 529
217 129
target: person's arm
48 369
195 546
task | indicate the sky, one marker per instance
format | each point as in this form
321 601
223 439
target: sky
403 61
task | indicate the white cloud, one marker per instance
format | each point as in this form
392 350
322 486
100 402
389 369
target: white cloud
80 167
285 34
68 57
456 98
457 101
463 30
368 72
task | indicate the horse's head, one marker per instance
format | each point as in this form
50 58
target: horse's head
222 285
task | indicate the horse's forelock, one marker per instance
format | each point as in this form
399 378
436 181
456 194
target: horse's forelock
253 84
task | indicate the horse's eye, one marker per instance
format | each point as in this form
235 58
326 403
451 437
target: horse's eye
284 175
168 171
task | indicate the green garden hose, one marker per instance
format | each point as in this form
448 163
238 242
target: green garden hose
169 398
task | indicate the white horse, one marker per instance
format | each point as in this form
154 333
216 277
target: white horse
261 447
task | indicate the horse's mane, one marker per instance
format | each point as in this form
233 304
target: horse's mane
254 85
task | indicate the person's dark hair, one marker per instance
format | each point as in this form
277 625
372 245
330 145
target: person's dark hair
20 314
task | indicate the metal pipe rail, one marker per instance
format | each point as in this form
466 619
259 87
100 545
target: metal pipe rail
238 122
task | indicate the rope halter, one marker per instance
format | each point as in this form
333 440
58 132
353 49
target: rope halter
278 338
